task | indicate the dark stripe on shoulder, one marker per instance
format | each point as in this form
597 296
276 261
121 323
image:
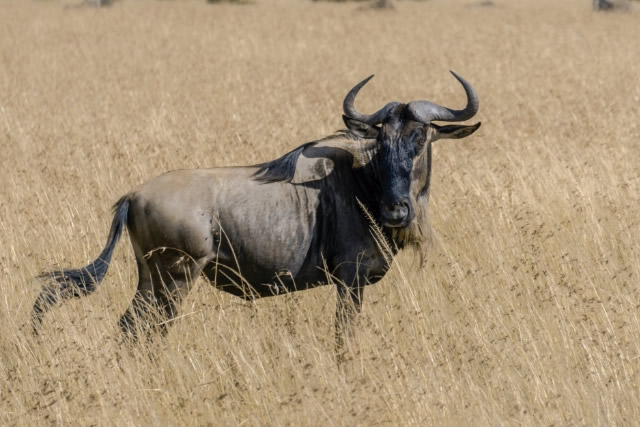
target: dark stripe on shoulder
282 169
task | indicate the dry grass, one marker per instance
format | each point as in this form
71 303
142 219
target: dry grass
526 311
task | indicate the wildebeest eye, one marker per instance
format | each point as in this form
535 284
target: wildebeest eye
418 136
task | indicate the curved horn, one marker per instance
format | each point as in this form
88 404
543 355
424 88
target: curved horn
351 112
426 111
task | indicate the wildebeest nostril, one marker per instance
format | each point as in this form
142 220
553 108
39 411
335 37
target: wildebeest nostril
400 209
403 208
397 212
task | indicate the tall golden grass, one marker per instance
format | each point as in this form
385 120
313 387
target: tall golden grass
526 310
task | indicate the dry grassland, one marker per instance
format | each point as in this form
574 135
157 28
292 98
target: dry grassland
526 311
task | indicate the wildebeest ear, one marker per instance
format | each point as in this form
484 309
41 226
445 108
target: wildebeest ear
361 129
453 131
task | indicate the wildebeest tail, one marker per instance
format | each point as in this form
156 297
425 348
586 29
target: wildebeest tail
82 281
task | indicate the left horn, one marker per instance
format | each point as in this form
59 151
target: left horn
427 111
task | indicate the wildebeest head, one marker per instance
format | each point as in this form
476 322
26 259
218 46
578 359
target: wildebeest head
403 134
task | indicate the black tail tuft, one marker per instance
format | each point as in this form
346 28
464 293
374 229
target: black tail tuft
82 281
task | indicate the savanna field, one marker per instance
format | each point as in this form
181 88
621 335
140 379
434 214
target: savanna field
526 310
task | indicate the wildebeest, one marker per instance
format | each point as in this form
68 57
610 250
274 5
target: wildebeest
612 5
290 224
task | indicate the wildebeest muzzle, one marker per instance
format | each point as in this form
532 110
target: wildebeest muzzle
397 214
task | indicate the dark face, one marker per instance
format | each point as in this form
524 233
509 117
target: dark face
403 160
402 143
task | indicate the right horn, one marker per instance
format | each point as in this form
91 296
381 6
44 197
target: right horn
371 119
426 111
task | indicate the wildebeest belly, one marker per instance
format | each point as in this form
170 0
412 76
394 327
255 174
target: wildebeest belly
257 282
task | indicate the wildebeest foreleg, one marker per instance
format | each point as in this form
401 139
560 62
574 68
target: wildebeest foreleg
348 307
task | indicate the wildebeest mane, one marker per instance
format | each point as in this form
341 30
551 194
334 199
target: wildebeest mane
284 168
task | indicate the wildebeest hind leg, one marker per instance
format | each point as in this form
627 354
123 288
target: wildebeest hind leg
136 319
164 280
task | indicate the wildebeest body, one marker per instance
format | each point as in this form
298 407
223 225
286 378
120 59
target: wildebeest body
265 239
297 222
